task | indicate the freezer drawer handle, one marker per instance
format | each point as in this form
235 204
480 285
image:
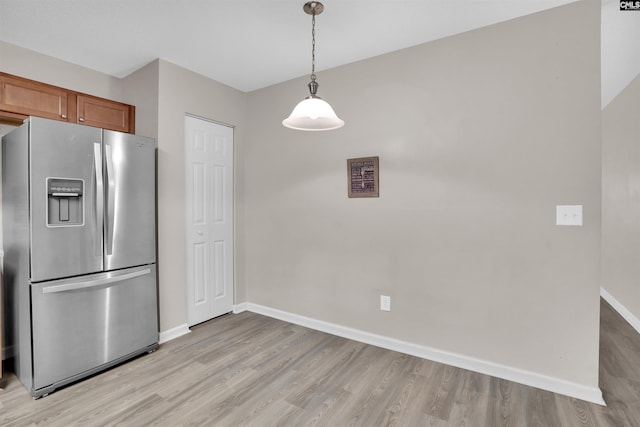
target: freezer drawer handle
94 283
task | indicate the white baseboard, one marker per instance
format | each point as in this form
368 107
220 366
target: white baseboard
173 333
8 352
556 385
183 329
621 309
239 308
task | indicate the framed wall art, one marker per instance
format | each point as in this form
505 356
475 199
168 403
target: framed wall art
363 177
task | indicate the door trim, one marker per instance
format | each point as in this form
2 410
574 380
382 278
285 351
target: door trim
205 119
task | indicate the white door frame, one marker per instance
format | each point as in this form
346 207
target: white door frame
209 218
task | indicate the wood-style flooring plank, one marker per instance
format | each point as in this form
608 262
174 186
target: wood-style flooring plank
251 370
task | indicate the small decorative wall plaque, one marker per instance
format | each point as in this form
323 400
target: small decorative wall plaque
362 177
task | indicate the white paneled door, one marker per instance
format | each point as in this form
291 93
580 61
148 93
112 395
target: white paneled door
209 213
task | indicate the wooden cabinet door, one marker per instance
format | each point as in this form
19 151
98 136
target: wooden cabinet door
29 98
105 114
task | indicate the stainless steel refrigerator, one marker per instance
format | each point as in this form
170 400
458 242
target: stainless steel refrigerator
79 250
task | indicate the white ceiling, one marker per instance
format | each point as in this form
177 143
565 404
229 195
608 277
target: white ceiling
244 44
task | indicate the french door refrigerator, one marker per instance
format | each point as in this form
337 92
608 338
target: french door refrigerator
79 250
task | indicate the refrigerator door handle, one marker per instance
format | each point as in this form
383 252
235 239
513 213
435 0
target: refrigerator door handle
99 195
94 283
111 183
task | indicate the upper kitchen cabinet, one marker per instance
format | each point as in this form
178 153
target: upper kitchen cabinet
20 98
105 114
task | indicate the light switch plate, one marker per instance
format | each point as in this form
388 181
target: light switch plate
569 215
385 303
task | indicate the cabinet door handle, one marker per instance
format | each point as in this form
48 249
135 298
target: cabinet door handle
64 116
81 119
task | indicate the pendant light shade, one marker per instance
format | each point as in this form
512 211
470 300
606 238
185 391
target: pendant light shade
313 113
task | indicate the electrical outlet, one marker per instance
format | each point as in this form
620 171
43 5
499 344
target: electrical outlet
385 303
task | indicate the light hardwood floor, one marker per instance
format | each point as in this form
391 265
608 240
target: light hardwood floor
250 370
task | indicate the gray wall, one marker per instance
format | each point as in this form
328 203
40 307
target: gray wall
32 65
620 53
181 92
621 199
480 136
140 88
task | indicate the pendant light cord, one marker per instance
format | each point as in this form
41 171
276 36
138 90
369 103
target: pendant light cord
313 46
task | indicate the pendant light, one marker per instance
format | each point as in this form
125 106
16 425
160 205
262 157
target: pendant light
313 113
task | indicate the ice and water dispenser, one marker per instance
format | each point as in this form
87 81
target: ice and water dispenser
65 202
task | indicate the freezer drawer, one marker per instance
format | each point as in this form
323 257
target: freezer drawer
84 323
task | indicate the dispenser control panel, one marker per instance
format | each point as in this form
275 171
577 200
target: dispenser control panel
67 187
